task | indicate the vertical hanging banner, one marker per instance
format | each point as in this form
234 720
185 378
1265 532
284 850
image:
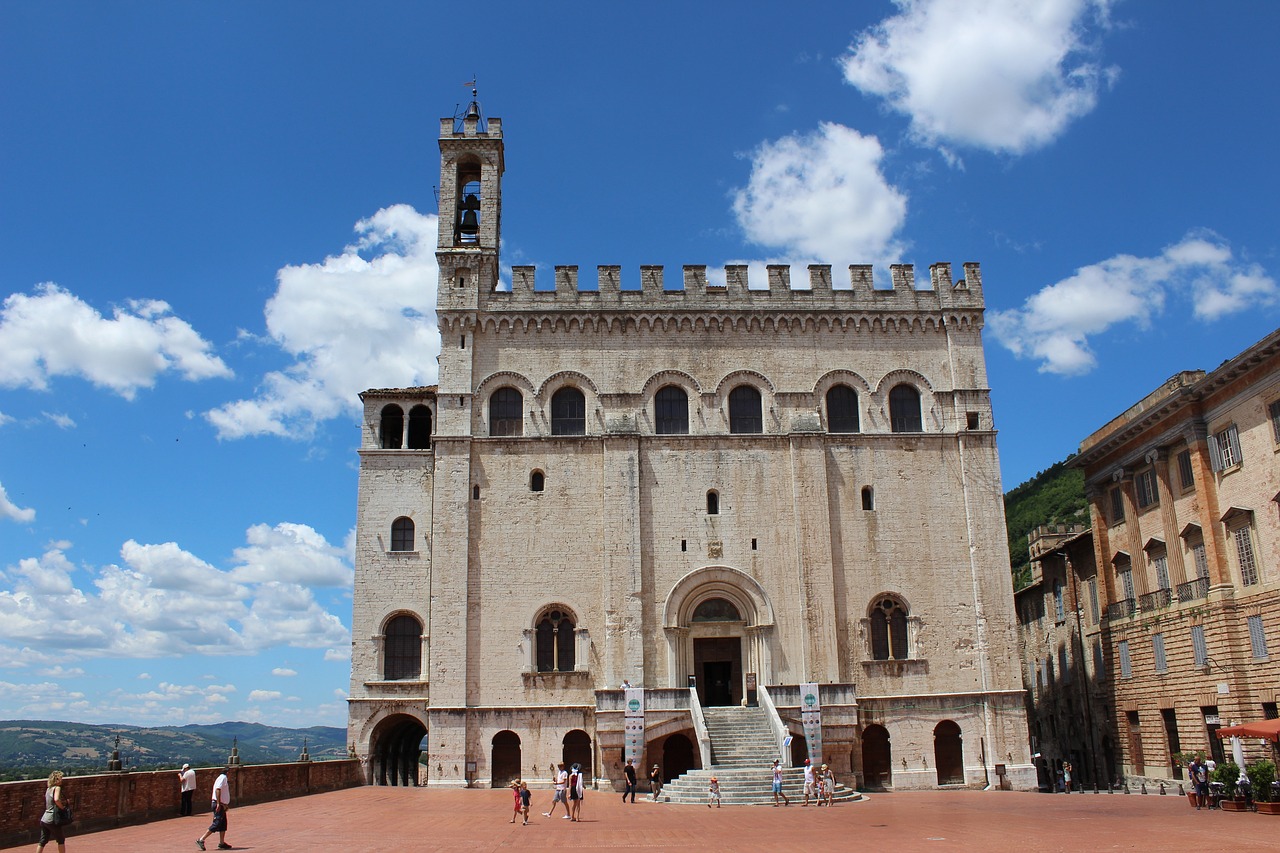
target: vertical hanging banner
811 721
633 724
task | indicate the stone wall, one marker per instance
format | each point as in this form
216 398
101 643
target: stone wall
108 800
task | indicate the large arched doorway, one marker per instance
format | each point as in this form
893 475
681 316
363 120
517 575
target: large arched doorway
677 757
877 757
948 753
718 625
504 759
395 748
577 750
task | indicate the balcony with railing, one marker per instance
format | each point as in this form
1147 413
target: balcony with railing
1154 600
1193 590
1121 609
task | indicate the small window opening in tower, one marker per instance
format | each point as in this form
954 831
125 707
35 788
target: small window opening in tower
753 545
537 481
713 503
475 493
462 342
971 420
684 545
868 499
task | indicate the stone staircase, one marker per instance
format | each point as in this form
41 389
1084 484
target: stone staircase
742 753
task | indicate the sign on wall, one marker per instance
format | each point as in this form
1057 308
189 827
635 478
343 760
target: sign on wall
633 724
811 721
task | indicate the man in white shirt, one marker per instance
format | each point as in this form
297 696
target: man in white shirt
809 788
560 796
187 778
221 802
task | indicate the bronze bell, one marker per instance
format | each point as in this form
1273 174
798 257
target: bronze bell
470 223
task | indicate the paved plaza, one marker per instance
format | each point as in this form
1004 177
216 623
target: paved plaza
364 820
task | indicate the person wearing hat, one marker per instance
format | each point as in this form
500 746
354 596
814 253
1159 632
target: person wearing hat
713 792
515 790
809 789
187 781
777 784
655 782
828 785
220 803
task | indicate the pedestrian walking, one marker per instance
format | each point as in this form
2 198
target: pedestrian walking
1066 776
220 802
629 772
777 784
515 790
655 782
525 799
56 815
809 782
713 792
828 785
561 794
576 790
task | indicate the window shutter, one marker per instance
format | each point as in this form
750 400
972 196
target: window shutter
1215 454
1233 442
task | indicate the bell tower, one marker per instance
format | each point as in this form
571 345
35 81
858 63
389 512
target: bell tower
471 166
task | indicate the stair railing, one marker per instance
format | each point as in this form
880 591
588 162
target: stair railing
700 727
780 732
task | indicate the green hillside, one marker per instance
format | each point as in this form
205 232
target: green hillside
32 748
1054 496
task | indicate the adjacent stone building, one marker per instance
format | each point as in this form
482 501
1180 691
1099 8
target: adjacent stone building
1184 494
718 490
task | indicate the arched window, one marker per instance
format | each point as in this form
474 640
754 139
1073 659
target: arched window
555 640
419 428
868 498
716 610
713 502
402 534
402 648
745 410
904 409
391 427
506 412
537 481
888 630
671 411
842 409
568 412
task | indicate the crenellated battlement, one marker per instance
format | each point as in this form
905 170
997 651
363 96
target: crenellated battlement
699 287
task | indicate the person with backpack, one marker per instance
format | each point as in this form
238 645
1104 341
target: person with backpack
575 792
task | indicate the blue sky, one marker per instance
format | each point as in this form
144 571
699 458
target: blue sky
217 227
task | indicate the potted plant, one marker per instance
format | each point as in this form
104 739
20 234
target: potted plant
1227 773
1261 775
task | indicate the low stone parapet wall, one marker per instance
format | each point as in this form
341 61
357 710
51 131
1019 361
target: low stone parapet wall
108 800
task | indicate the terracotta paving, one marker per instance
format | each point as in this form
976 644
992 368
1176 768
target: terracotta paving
371 820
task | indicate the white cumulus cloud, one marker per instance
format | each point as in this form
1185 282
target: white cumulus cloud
13 512
294 553
822 196
1001 75
1055 324
284 672
348 323
264 695
52 332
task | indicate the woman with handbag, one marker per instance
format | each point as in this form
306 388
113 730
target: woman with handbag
56 815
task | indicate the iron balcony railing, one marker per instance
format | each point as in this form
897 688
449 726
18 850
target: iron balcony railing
1193 590
1121 609
1154 600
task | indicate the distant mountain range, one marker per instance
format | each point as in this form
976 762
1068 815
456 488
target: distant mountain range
33 748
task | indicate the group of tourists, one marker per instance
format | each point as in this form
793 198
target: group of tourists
57 808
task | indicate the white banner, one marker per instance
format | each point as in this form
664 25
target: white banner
633 724
811 721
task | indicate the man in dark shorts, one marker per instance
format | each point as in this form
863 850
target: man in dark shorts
221 802
630 772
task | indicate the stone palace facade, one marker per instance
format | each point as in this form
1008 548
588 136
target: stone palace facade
719 491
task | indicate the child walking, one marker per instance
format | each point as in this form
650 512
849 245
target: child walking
713 792
519 803
525 797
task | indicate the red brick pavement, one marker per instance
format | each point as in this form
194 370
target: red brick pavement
372 820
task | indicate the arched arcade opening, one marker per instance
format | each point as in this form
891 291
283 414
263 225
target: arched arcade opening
395 748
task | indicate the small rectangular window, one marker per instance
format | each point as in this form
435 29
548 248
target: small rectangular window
684 545
1257 637
1161 563
1126 581
1117 506
753 544
1201 561
1273 412
1157 647
1269 711
1224 449
1093 599
1244 554
1186 478
1198 644
1126 668
972 420
1144 487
